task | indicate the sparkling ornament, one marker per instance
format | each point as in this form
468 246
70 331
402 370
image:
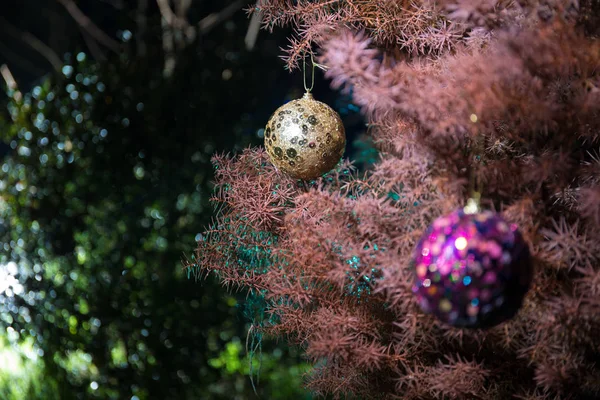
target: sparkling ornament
472 270
305 138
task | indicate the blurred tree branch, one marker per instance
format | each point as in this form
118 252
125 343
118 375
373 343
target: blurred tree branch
92 45
212 20
20 60
11 83
8 77
253 29
178 32
60 22
89 26
33 42
117 4
175 21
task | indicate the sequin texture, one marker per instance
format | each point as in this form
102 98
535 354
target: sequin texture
471 270
293 130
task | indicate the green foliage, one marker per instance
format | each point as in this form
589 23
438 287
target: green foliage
105 187
22 373
283 383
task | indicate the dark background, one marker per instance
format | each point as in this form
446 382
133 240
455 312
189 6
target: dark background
106 138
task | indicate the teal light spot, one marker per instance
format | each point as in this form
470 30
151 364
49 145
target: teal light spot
467 280
394 196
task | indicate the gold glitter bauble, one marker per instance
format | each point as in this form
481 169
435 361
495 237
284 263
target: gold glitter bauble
305 138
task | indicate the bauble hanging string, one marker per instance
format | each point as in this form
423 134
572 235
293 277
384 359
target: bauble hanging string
472 267
305 138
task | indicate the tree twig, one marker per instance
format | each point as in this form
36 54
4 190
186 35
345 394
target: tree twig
168 48
176 23
10 82
96 51
34 42
169 15
253 29
21 61
8 77
211 20
181 10
117 4
86 23
204 26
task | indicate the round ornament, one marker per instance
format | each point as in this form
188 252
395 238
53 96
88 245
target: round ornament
305 138
472 270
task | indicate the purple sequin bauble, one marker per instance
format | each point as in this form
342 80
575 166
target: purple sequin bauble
472 270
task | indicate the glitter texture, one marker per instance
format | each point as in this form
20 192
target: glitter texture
361 276
305 138
472 270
